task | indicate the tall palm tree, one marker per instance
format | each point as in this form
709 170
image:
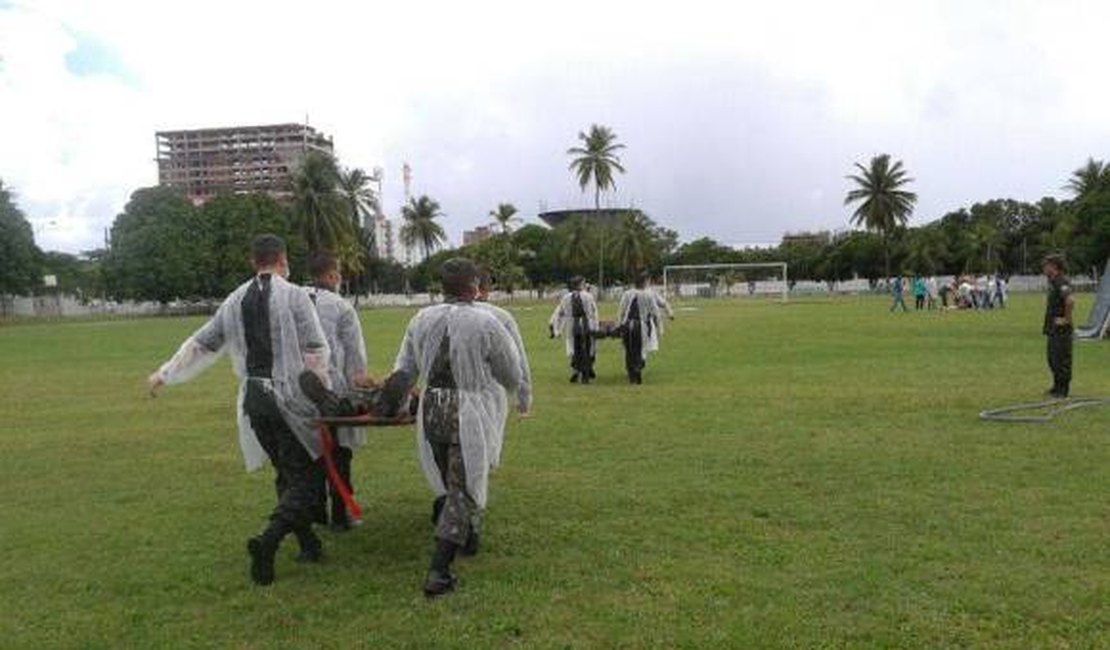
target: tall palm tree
883 205
420 226
595 161
319 209
362 200
1088 178
504 217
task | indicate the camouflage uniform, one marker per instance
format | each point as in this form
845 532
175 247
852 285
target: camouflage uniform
459 515
1059 336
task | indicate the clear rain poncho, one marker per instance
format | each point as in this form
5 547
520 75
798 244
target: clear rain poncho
484 363
562 319
348 351
651 306
299 344
524 391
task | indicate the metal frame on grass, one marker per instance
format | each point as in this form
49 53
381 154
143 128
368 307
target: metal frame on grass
755 265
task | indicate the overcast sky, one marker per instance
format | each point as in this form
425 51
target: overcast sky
740 122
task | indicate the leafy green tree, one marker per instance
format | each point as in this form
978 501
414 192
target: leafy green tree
321 213
231 221
20 267
499 256
1089 237
539 250
595 162
864 253
703 251
883 205
424 277
802 252
77 275
925 250
420 227
155 252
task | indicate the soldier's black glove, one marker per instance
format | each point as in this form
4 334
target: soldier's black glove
550 331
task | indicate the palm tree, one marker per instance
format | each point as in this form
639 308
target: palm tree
319 209
576 250
1088 178
595 161
503 217
362 201
633 245
883 205
420 226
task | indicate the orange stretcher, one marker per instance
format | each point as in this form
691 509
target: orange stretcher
324 425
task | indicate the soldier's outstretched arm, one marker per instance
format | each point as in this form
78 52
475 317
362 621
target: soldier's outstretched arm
196 354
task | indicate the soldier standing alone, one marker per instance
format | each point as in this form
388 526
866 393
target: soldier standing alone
1058 324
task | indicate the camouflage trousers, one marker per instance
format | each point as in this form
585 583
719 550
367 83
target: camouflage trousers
460 514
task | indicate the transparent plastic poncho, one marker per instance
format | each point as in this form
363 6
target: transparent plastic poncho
484 363
348 352
299 344
562 319
652 306
524 391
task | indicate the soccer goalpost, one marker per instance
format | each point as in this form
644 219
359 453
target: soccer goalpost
726 280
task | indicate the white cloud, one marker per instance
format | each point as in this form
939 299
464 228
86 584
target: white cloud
773 100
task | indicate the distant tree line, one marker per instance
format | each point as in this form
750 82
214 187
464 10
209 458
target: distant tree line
162 247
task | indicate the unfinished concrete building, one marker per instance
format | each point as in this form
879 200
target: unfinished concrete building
207 162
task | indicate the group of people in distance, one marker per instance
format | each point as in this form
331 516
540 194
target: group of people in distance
639 324
990 292
963 292
300 356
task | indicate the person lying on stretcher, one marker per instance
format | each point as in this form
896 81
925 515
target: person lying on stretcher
393 402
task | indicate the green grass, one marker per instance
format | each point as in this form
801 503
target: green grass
808 475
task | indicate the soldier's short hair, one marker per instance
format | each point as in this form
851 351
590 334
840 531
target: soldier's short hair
575 282
1056 260
267 249
321 263
459 277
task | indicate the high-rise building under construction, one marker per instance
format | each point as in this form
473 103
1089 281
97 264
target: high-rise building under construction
207 162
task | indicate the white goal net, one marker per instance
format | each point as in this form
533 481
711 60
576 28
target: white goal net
762 280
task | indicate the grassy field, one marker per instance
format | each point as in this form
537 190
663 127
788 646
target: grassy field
808 475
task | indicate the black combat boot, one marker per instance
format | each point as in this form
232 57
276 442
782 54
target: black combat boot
440 580
262 550
312 550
